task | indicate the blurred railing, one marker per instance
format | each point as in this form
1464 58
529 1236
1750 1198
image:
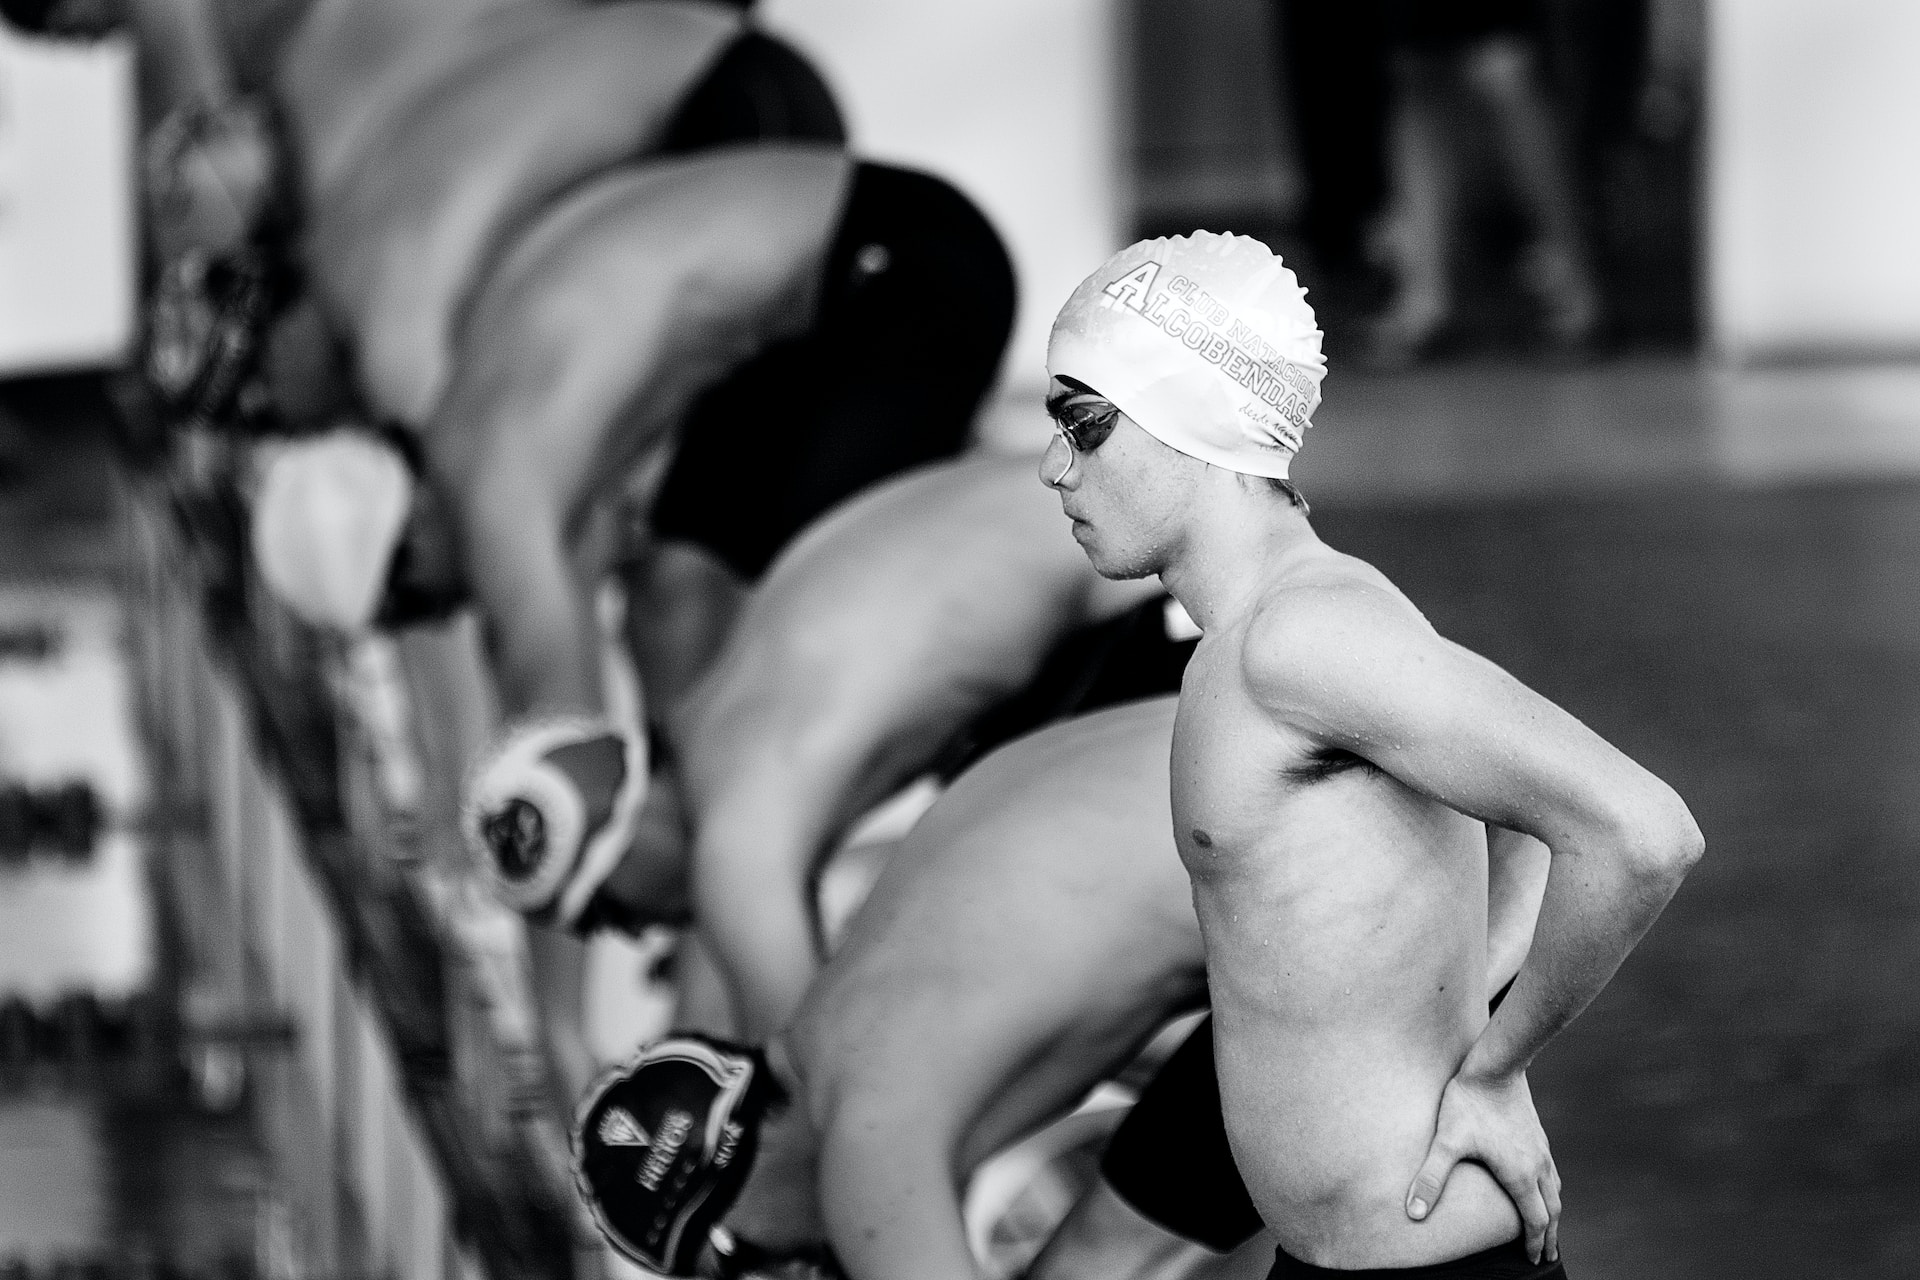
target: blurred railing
304 829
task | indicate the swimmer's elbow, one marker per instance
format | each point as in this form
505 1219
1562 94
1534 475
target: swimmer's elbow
1662 840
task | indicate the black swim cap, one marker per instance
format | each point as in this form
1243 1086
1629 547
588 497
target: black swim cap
663 1144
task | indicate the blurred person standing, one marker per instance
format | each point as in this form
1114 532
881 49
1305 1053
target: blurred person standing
1334 65
1486 50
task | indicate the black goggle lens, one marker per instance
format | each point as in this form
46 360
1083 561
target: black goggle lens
1087 424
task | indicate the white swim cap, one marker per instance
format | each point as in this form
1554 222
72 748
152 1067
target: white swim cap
327 516
1205 340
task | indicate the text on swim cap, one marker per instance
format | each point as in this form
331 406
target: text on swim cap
1242 354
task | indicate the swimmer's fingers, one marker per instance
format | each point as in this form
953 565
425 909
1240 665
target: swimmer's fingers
1551 1190
1424 1194
1514 1149
1530 1198
1493 1123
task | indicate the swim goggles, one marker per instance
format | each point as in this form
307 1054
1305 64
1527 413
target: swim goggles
1083 419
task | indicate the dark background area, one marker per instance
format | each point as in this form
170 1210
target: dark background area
1744 1099
1215 144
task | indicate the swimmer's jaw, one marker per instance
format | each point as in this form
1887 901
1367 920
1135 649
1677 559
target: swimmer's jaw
1116 518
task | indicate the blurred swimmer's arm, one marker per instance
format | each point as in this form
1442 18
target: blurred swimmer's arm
538 615
889 1189
753 863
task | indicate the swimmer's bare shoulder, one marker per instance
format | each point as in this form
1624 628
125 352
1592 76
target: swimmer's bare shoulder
619 303
1299 652
1337 654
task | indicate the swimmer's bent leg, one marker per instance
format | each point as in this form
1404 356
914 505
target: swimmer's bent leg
1170 1159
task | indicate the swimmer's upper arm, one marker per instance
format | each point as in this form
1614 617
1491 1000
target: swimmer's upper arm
1357 668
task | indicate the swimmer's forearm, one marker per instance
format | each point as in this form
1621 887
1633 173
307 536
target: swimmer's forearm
1601 898
540 632
888 1190
892 1208
752 891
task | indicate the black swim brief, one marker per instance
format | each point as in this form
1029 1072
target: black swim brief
760 89
916 308
1502 1262
1123 659
1170 1159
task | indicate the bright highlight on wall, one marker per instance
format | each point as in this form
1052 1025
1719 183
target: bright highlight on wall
66 202
1813 181
1014 101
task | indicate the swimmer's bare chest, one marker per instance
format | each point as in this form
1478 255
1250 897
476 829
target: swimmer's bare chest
1239 779
1344 917
1302 852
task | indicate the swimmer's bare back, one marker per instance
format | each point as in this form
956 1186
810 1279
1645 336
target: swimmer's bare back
880 632
349 63
1029 934
408 230
1322 726
889 623
610 313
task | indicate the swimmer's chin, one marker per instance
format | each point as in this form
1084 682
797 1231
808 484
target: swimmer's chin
1103 564
1121 572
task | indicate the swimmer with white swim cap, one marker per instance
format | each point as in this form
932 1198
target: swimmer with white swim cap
1335 768
925 1044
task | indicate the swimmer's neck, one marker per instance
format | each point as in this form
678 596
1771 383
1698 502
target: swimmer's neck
1234 545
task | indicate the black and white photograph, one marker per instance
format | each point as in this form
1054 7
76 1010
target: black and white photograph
1021 640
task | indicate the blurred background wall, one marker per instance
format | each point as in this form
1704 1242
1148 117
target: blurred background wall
67 231
1013 100
1813 177
1081 124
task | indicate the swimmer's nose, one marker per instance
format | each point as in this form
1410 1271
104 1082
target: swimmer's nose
1056 462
